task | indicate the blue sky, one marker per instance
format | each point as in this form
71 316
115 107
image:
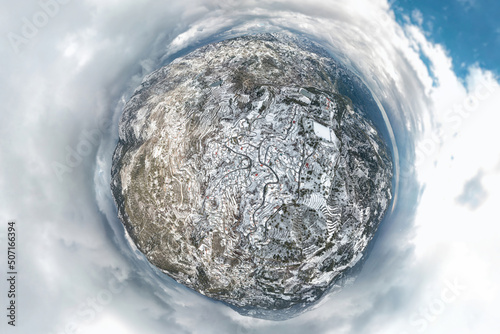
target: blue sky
469 29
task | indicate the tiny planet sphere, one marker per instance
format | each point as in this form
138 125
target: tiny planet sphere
249 171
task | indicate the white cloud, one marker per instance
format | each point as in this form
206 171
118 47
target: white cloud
88 58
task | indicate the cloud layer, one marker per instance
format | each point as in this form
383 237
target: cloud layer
68 67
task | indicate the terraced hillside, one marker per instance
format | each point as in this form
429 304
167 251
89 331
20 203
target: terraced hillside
243 173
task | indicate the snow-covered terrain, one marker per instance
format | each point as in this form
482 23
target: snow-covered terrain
243 172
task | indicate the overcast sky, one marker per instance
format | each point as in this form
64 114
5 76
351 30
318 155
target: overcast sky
69 66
